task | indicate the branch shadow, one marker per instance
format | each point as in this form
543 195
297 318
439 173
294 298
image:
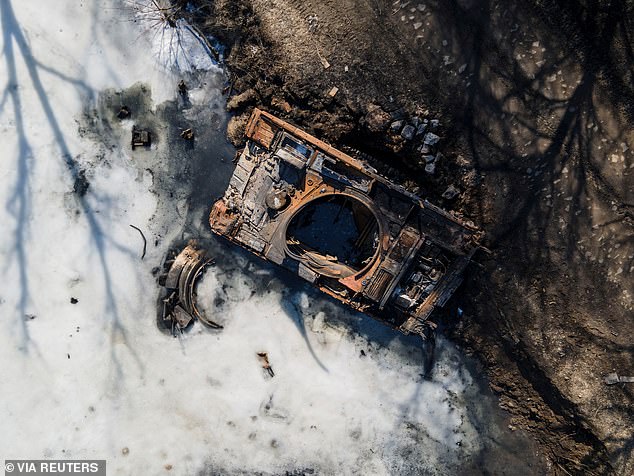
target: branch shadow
20 200
547 94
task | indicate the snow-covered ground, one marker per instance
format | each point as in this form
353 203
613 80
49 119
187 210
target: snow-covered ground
97 379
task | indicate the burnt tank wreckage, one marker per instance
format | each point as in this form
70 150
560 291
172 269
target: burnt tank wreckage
334 221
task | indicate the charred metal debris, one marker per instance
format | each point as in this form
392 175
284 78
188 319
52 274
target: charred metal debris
334 221
179 301
140 138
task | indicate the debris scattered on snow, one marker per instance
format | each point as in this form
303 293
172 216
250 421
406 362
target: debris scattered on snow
264 360
140 137
188 134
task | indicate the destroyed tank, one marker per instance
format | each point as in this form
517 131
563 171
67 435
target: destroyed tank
335 222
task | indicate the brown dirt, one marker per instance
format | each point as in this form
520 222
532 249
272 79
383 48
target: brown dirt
535 101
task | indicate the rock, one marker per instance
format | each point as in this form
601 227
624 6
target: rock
420 130
425 149
439 156
74 300
396 126
429 159
430 168
462 68
415 121
408 132
434 123
451 193
431 139
376 119
241 100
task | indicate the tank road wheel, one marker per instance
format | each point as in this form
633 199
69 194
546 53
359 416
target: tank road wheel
179 308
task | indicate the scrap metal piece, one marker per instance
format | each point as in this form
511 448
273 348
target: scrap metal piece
266 365
188 134
141 137
179 307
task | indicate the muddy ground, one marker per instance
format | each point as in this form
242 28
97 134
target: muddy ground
535 102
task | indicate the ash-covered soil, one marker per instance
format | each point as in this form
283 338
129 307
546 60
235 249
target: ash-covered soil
534 102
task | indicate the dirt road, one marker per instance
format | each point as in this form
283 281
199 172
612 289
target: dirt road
535 101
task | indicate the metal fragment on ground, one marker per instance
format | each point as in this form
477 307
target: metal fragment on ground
141 138
179 304
188 134
266 365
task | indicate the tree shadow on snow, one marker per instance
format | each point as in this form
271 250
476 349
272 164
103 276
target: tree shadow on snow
16 47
